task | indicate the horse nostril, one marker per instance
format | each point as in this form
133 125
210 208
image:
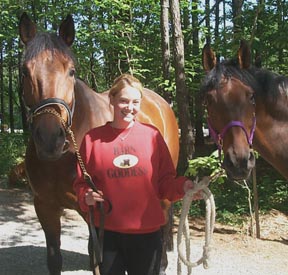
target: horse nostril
228 163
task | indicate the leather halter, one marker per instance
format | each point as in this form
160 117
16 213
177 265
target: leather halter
219 137
40 108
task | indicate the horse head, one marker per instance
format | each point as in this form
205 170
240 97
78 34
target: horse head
48 78
230 107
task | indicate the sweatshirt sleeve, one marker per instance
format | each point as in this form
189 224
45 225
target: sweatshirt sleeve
80 186
171 187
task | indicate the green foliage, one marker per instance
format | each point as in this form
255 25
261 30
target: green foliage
229 206
114 36
273 193
229 218
198 168
12 148
206 166
231 198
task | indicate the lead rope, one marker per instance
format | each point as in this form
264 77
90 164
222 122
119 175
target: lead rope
97 241
183 227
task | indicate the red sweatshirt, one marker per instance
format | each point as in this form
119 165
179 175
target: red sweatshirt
134 174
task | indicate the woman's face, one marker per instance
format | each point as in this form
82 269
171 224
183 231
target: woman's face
126 105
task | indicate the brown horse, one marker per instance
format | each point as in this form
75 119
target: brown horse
241 99
58 100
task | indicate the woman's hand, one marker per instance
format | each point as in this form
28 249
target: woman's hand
92 197
189 185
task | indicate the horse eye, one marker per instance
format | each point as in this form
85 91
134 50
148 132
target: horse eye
72 72
252 98
209 99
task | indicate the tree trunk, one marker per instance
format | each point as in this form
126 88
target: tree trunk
186 138
1 89
165 45
10 88
217 21
280 22
207 21
199 112
237 22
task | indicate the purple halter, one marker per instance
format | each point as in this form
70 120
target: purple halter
218 138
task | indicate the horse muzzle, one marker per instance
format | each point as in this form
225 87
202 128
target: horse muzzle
50 142
239 167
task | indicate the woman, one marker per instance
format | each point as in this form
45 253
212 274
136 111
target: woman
130 163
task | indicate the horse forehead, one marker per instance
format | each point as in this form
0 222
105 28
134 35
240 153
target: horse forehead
49 76
50 61
232 89
49 68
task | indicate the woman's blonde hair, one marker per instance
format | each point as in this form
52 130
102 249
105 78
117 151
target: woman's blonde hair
123 81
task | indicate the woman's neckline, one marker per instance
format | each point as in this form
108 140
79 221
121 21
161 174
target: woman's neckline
130 125
120 131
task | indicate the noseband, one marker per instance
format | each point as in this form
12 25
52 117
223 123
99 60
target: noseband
219 137
40 108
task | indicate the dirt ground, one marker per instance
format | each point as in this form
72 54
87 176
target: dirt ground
23 252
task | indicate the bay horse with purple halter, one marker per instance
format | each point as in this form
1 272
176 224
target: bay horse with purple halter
247 107
58 101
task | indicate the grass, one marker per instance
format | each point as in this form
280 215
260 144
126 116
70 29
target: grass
12 148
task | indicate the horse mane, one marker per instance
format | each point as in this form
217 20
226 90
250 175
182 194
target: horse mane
47 41
272 84
264 83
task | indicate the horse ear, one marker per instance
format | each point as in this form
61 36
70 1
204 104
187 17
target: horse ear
67 30
208 58
244 55
27 29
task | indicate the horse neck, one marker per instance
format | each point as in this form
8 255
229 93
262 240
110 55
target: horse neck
271 133
91 109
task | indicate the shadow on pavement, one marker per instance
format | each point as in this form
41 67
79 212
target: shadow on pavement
27 260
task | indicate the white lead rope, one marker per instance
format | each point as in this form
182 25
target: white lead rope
183 228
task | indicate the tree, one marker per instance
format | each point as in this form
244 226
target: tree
237 19
199 111
182 99
165 46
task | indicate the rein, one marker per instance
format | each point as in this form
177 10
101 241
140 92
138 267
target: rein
219 137
97 241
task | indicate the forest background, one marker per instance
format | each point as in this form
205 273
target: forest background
160 42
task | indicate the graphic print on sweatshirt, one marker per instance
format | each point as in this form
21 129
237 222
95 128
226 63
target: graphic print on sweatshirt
125 162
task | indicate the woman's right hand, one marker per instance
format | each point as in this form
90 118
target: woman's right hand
92 197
